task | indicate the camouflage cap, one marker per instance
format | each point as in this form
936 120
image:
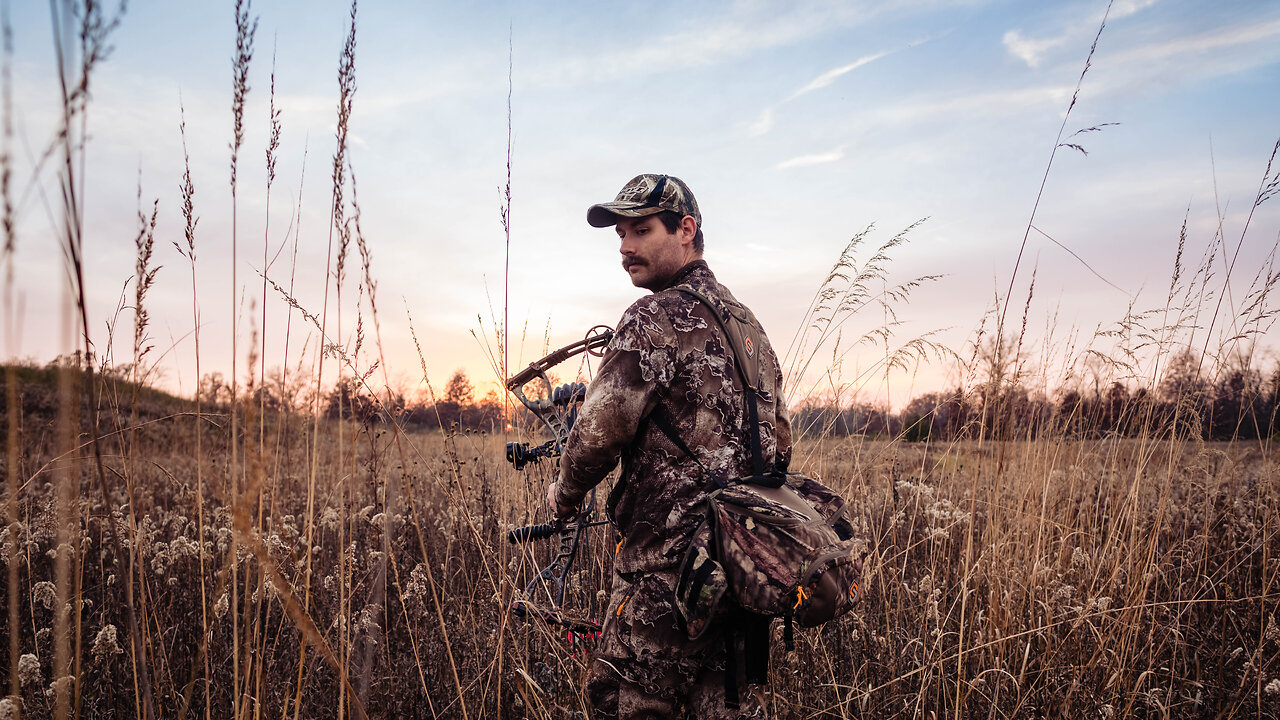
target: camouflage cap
646 194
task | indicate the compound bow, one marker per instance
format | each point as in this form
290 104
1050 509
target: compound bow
557 409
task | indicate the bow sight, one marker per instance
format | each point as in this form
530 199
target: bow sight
564 403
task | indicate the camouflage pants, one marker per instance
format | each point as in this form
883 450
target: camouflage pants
647 667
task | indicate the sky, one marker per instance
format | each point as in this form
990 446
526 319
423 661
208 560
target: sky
797 125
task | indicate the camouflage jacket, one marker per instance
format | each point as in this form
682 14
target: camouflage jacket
669 355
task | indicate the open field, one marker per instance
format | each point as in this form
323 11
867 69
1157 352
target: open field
278 547
368 573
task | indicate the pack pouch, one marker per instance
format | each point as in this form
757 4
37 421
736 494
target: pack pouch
781 555
701 585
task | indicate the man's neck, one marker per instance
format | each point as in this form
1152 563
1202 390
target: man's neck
682 273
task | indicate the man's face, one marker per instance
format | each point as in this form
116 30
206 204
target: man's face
650 254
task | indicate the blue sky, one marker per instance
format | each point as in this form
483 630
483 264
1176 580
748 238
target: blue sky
796 124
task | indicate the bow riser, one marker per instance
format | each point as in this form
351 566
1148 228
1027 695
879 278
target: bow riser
557 410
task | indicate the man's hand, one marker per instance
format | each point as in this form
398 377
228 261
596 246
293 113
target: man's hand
562 512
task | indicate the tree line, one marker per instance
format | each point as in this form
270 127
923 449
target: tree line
1238 403
353 398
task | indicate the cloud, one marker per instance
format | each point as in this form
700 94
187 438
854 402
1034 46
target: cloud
1029 50
1229 37
765 121
1178 61
746 31
997 103
1213 53
762 124
1125 8
831 76
1032 50
814 159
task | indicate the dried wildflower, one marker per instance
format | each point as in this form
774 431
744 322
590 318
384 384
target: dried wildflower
329 519
161 560
106 644
29 670
8 709
220 607
417 588
1107 712
931 610
366 624
184 547
1079 561
61 686
276 546
45 593
1272 633
944 511
1063 593
926 584
897 519
1273 687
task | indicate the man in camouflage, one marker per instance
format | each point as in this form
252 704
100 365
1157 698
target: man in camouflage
668 356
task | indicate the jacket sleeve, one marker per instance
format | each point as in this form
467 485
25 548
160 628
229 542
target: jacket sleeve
637 370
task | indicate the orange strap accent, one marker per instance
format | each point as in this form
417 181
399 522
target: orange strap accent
622 605
618 549
801 596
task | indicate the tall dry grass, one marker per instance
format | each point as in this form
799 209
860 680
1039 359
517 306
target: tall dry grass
1136 575
163 559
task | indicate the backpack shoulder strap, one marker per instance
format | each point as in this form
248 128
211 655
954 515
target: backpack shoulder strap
745 343
743 337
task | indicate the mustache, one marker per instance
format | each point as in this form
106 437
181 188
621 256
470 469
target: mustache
628 262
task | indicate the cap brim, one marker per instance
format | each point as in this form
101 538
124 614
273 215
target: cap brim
606 214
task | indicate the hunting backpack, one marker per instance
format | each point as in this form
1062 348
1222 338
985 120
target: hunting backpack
774 544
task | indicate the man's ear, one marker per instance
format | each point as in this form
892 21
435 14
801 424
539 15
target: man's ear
688 228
